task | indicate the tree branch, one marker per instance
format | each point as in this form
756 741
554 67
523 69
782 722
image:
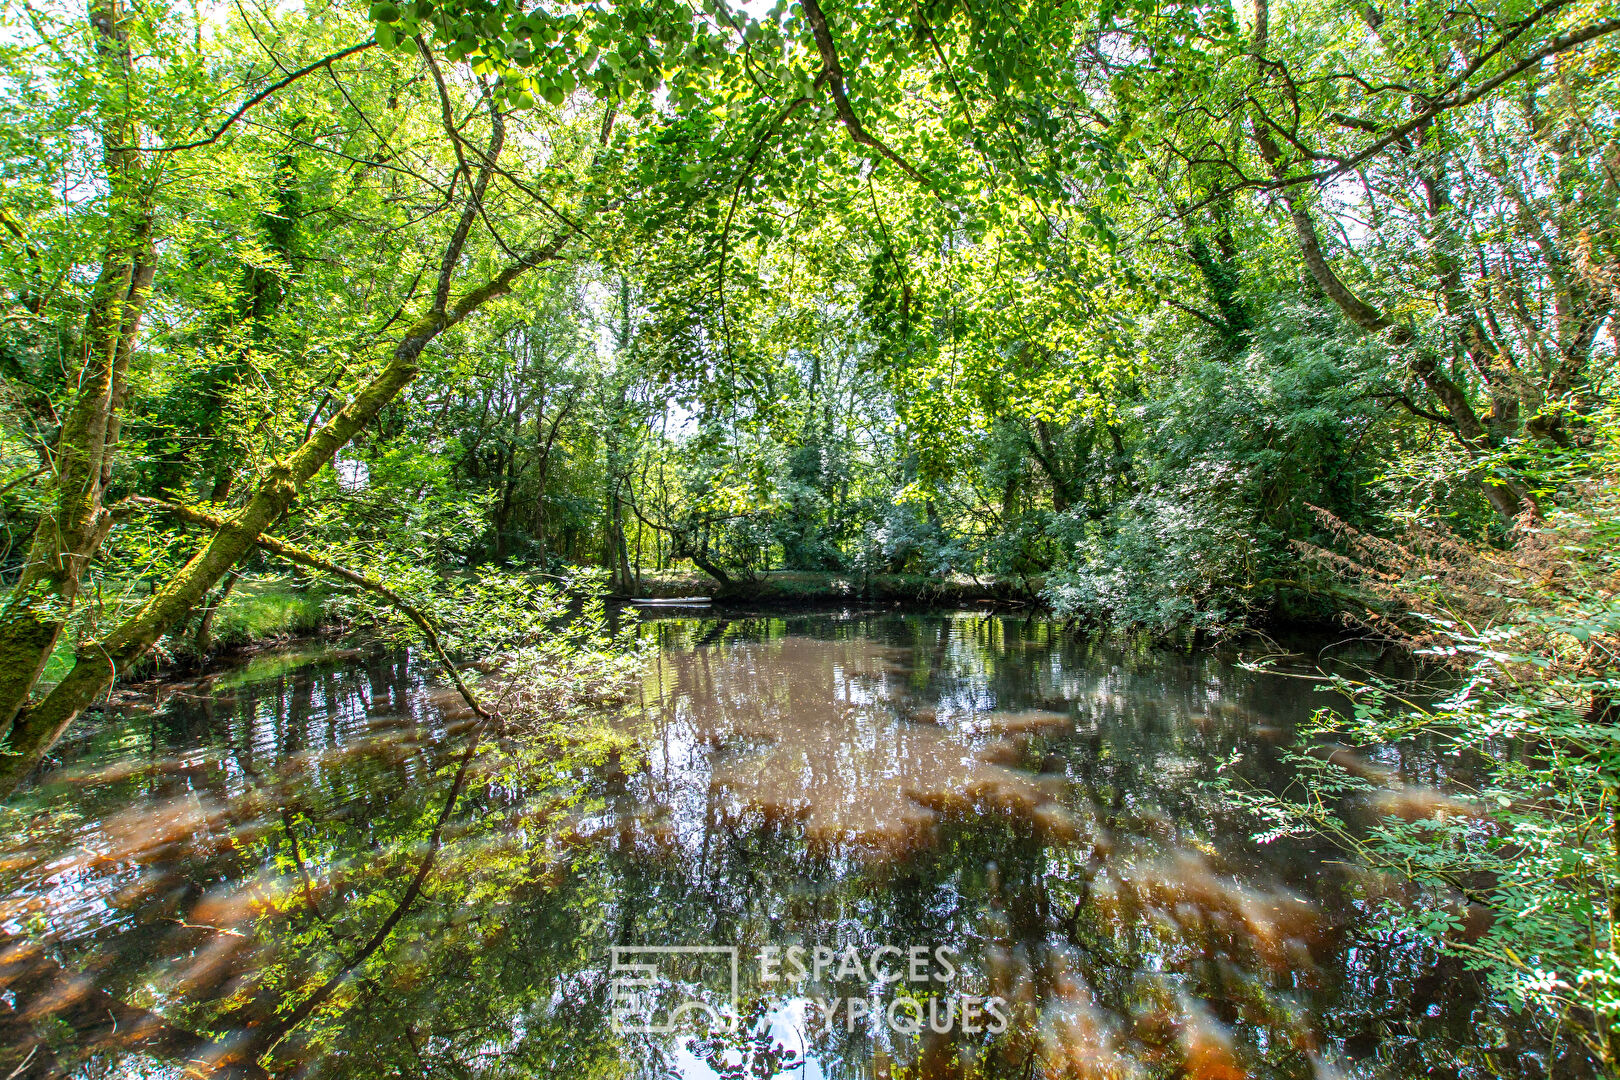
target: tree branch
834 72
1204 315
317 562
1454 99
475 186
256 98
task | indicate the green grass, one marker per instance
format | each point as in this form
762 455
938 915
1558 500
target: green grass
268 608
258 610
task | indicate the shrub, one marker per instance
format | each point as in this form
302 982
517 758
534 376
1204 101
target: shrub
1514 863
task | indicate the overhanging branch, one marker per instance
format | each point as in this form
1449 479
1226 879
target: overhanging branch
834 72
1455 98
298 555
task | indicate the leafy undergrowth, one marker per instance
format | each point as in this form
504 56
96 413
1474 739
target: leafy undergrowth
1488 820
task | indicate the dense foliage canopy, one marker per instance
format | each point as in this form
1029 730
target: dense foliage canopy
1132 307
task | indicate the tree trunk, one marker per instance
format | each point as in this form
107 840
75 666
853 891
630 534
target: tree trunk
1507 498
98 664
67 537
204 640
683 548
621 548
1046 455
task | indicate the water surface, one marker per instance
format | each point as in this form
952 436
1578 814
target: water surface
306 862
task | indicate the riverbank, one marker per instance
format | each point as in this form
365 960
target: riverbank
258 613
794 587
266 612
263 613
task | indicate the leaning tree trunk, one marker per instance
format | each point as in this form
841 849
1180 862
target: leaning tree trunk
685 548
69 533
98 663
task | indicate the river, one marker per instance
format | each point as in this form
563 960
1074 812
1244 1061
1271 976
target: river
853 844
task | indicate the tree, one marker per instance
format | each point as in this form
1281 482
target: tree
461 277
1455 144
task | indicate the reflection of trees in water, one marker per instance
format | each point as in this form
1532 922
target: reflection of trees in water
1141 921
269 873
1082 869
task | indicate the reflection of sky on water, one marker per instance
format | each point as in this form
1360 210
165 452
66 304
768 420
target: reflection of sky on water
788 1028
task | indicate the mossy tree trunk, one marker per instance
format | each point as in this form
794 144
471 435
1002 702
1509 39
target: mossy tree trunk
67 536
